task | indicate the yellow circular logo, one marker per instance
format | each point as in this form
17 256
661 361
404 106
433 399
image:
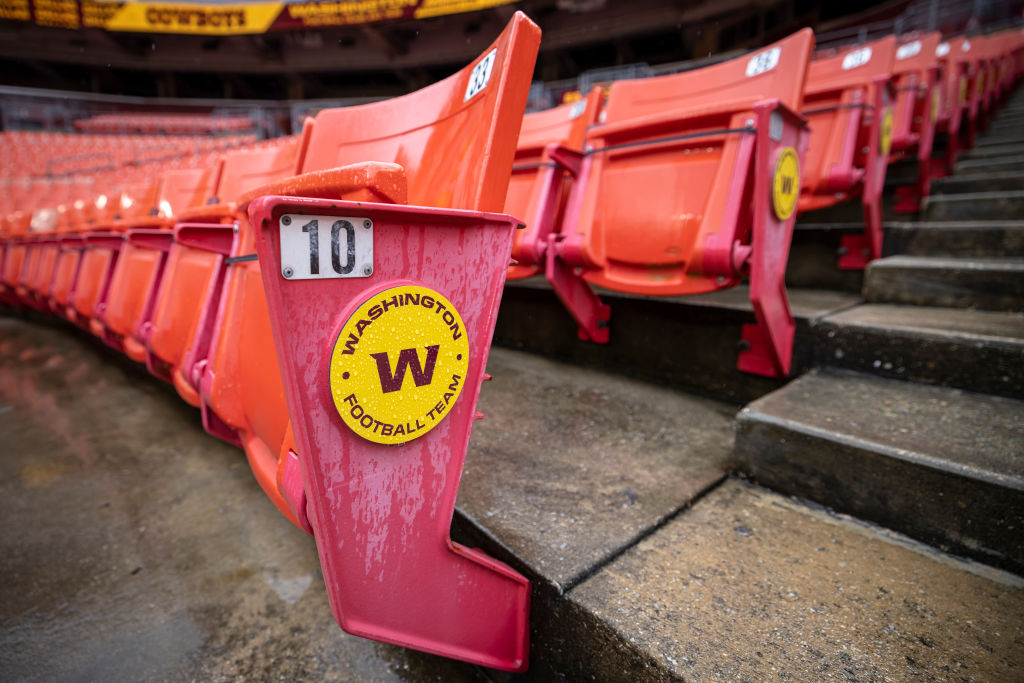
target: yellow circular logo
399 364
936 103
885 136
786 183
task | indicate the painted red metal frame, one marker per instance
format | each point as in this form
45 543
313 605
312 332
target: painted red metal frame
381 514
856 251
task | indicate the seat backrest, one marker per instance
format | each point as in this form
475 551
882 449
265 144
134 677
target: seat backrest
915 54
179 189
777 71
455 139
851 67
663 161
245 169
564 125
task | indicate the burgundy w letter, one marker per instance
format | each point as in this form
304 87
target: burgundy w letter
407 358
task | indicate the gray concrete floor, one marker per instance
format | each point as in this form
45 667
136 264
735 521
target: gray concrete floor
135 547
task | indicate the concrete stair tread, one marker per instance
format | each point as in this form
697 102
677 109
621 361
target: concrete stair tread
747 584
1004 163
996 151
1014 264
965 433
571 465
995 205
978 182
991 326
942 465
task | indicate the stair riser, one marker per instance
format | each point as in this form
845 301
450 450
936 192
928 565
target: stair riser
975 364
918 239
995 151
977 183
992 290
981 166
658 340
966 208
964 516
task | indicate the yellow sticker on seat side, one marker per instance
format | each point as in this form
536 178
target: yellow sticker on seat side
936 103
399 364
885 135
963 90
786 183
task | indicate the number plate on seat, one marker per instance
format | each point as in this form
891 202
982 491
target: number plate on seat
316 247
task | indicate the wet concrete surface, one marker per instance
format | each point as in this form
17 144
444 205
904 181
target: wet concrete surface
134 547
569 466
751 586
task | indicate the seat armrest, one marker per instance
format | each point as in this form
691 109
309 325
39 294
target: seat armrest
369 181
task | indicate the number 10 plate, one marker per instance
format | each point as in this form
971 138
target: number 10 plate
316 247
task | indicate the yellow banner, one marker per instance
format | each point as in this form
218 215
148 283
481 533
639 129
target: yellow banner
187 18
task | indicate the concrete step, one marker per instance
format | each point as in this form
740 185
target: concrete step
1000 165
955 238
978 182
942 465
687 341
994 151
994 284
974 350
749 585
974 206
142 549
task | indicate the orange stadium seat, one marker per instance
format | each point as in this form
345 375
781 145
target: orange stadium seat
447 145
140 263
675 194
205 236
848 104
918 77
99 257
550 149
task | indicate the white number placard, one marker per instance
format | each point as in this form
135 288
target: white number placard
763 62
856 58
481 75
908 50
942 50
318 247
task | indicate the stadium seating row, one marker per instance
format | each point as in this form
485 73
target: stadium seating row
171 124
663 185
283 285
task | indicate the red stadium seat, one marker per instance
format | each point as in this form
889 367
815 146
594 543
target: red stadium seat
918 77
550 148
397 577
848 104
675 194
